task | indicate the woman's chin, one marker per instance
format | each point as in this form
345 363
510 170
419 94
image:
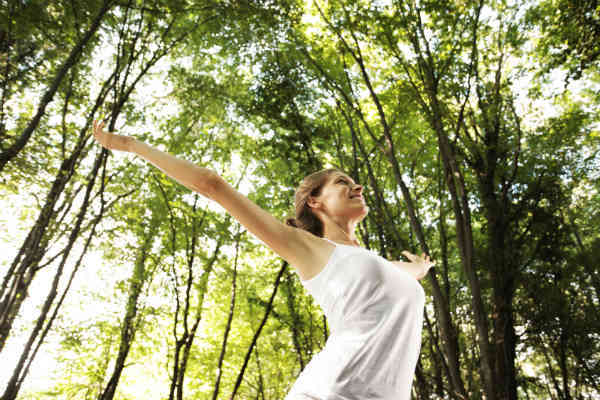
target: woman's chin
357 214
363 213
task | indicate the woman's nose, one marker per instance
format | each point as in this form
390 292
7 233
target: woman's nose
357 188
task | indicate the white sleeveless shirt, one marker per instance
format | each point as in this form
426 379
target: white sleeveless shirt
375 311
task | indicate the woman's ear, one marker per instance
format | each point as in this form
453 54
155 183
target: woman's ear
312 202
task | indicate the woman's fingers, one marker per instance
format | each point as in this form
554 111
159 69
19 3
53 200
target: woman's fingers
99 134
424 258
110 140
97 128
413 257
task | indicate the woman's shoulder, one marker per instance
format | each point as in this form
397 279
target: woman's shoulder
317 253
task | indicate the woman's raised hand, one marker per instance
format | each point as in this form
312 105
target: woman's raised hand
422 262
110 140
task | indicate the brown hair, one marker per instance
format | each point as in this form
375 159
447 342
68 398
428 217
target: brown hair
310 186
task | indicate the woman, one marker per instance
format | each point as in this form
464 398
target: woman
374 306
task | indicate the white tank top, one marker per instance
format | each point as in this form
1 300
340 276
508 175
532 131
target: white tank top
375 311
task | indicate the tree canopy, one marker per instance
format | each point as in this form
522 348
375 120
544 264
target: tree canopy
472 125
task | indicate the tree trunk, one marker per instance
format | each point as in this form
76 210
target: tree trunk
16 283
422 383
19 373
462 215
57 307
437 359
71 60
130 321
240 377
295 318
229 319
183 343
587 261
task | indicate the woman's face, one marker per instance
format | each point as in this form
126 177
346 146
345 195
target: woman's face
341 197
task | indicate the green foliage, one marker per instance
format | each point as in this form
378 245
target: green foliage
570 34
265 93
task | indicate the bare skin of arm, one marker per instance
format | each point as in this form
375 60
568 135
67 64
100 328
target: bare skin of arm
303 250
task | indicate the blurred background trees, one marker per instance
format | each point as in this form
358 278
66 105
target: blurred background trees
473 126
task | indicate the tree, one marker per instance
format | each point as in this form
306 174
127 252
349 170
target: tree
443 110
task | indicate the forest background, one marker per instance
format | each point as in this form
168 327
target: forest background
473 126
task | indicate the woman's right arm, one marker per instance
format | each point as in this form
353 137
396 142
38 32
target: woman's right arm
303 250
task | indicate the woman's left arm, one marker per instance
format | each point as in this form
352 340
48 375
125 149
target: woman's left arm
417 267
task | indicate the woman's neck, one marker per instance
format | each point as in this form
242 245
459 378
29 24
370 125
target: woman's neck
341 234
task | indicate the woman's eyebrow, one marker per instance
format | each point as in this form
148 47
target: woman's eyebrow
346 178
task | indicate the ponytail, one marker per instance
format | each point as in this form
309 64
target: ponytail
305 218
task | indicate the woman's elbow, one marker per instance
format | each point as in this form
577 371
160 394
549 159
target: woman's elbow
208 183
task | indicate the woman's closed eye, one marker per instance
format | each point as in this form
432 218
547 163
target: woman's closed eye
344 181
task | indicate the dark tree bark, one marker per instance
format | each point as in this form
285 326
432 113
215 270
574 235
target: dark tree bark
131 319
587 261
240 377
261 383
438 361
422 384
14 289
295 325
229 319
20 372
57 307
188 339
184 341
